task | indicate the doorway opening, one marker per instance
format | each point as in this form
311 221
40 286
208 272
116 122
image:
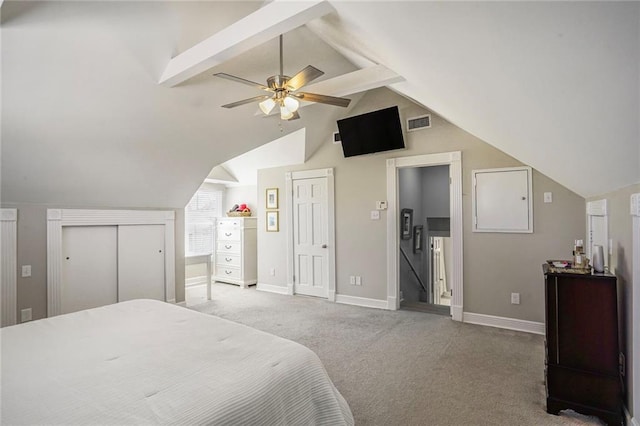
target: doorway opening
425 245
429 251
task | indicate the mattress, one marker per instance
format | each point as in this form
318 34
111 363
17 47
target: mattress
149 362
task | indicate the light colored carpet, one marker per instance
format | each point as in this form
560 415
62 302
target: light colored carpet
403 367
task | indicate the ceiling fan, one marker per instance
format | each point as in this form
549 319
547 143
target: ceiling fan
283 92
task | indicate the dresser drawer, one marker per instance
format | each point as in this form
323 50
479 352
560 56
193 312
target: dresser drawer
228 272
229 247
228 234
223 260
229 223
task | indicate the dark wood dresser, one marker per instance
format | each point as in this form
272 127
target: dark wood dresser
582 347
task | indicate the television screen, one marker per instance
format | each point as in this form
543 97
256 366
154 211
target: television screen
372 132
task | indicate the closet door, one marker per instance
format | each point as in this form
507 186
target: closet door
89 267
141 262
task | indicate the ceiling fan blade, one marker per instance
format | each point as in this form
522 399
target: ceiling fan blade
295 116
323 99
307 75
247 101
243 81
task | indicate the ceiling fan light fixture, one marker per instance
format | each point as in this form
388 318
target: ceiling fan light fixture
285 114
292 104
267 105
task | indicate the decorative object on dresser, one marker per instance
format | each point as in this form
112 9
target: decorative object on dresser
583 358
235 260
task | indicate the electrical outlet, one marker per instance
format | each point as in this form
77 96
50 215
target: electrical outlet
515 298
25 315
375 214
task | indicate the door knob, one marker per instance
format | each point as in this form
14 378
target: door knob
324 246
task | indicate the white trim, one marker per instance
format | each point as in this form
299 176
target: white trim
630 420
504 322
361 301
272 288
57 218
331 231
454 160
9 265
598 208
635 308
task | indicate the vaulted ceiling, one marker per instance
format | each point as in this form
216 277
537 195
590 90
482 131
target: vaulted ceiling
114 103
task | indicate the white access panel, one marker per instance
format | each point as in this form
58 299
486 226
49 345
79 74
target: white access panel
141 262
89 267
502 200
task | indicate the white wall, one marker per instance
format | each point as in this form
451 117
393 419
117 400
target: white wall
494 264
242 195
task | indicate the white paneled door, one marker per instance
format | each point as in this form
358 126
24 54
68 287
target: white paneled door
141 262
89 267
310 234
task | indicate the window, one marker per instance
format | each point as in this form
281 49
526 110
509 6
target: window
200 218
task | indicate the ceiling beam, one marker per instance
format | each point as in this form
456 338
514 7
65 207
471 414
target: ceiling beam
264 24
355 82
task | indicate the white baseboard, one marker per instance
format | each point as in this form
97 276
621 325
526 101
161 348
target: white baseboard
272 288
456 313
503 322
632 421
361 301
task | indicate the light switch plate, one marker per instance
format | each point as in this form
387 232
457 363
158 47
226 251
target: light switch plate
548 197
26 271
375 215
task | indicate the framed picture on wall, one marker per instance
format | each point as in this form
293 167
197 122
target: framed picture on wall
272 198
272 221
406 223
417 238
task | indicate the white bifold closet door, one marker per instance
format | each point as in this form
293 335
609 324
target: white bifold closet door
108 264
89 267
140 262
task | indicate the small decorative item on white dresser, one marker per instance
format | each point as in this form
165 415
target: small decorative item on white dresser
235 257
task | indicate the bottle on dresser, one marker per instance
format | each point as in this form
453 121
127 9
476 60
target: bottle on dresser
579 259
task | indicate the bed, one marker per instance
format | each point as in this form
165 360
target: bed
150 362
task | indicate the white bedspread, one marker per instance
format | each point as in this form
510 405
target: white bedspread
149 362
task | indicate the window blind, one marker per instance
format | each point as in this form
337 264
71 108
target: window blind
200 218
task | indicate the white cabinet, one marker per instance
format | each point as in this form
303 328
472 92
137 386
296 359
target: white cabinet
236 252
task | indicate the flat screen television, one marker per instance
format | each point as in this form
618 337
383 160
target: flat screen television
375 131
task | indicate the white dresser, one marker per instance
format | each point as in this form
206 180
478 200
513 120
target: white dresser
235 256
